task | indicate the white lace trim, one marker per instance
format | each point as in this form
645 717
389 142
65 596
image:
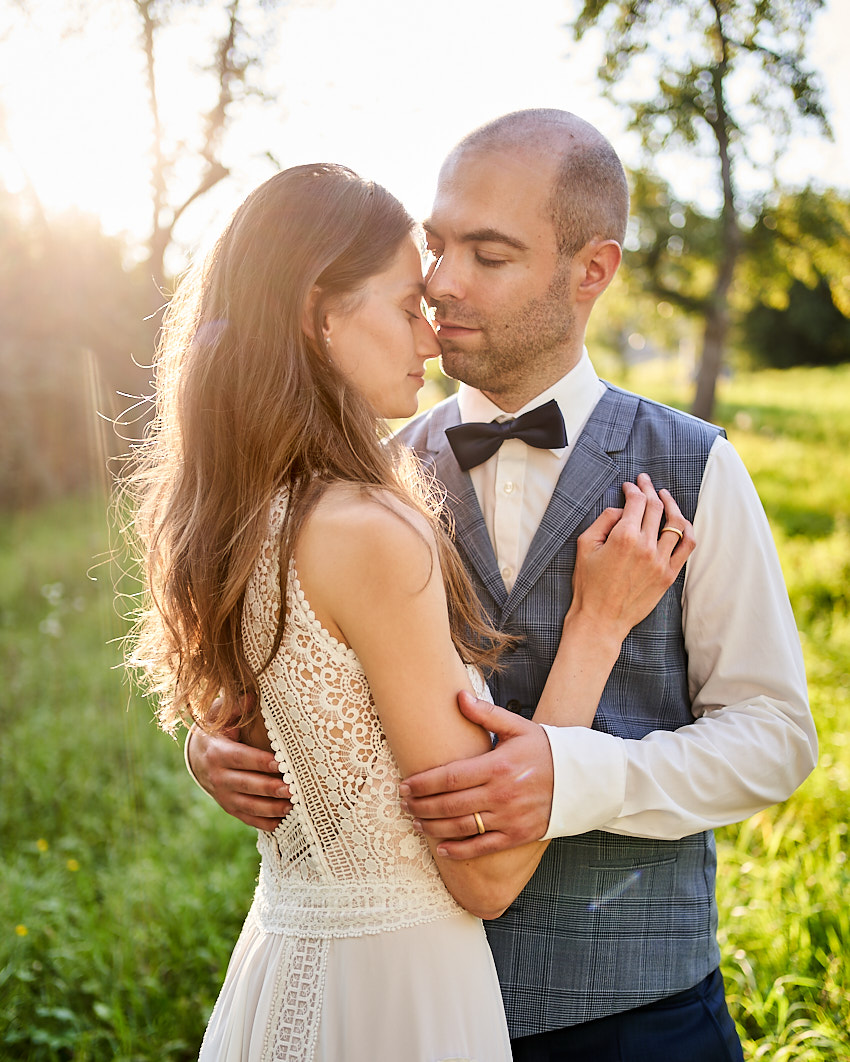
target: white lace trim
296 1007
352 910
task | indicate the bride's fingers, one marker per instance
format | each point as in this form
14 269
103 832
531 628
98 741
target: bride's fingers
641 521
673 517
678 542
676 534
603 525
635 507
654 507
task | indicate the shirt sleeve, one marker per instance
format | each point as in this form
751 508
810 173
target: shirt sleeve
188 762
753 740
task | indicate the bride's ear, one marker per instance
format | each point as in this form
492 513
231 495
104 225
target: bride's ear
308 316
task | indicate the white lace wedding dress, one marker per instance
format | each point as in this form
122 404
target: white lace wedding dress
353 950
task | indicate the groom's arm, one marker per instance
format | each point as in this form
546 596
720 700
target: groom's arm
752 744
511 788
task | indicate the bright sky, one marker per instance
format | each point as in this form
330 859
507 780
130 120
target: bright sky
357 81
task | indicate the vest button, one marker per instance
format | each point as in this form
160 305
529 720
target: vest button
513 705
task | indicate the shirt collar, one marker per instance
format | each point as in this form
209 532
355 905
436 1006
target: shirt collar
576 394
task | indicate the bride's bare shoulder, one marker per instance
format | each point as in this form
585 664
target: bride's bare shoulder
357 511
366 534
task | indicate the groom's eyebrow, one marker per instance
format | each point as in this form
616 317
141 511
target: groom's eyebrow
494 236
486 235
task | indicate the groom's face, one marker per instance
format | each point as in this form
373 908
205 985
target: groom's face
502 292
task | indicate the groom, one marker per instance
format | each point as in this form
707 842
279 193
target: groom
610 951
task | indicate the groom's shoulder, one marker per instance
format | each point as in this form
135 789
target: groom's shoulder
436 419
647 411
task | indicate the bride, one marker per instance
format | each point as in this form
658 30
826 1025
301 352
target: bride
300 586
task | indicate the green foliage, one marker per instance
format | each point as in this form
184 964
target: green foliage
672 246
810 330
666 280
123 887
717 70
790 300
694 53
794 281
803 237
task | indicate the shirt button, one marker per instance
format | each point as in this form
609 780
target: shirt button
508 488
513 705
507 573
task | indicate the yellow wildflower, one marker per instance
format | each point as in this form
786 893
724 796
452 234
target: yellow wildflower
73 865
42 845
22 931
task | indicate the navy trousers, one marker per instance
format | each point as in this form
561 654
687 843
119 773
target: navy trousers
691 1026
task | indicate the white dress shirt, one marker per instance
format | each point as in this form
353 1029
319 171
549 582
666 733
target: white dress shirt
753 740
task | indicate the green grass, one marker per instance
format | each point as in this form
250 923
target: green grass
123 888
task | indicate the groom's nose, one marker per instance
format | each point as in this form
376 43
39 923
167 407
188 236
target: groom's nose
445 280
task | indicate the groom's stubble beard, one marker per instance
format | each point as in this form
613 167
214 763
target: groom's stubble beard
515 349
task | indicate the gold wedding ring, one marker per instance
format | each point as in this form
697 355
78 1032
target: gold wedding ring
478 822
675 530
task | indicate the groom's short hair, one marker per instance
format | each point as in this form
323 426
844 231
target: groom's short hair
590 193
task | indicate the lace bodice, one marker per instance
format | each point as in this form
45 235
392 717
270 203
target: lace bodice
346 860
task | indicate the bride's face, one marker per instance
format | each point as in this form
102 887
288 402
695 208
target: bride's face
382 344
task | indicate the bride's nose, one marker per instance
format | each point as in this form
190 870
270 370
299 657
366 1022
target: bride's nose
425 340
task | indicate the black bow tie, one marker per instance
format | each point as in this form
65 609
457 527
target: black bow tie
474 443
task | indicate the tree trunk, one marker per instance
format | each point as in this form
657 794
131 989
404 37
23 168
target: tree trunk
717 315
711 361
717 321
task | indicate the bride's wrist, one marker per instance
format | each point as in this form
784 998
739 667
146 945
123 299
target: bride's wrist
594 635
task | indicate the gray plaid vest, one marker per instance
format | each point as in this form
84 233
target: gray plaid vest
606 923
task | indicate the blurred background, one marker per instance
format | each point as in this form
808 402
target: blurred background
131 129
129 132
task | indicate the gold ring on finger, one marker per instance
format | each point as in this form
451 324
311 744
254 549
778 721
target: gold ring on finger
478 822
676 531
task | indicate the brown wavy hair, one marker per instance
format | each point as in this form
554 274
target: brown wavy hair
247 405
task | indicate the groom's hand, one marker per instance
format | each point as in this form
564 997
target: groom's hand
510 788
245 781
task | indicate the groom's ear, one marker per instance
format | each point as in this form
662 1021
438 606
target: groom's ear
599 261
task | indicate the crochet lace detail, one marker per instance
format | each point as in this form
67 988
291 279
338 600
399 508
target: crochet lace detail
346 860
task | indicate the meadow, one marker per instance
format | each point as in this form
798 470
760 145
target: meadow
123 887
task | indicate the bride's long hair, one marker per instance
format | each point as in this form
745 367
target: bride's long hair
247 405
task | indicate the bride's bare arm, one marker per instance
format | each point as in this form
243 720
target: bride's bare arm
371 574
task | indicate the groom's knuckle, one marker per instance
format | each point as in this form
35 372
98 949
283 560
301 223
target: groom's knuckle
502 772
453 779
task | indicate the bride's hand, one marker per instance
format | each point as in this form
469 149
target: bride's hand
628 558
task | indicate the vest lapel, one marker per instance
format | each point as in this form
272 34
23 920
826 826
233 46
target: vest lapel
470 530
590 470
